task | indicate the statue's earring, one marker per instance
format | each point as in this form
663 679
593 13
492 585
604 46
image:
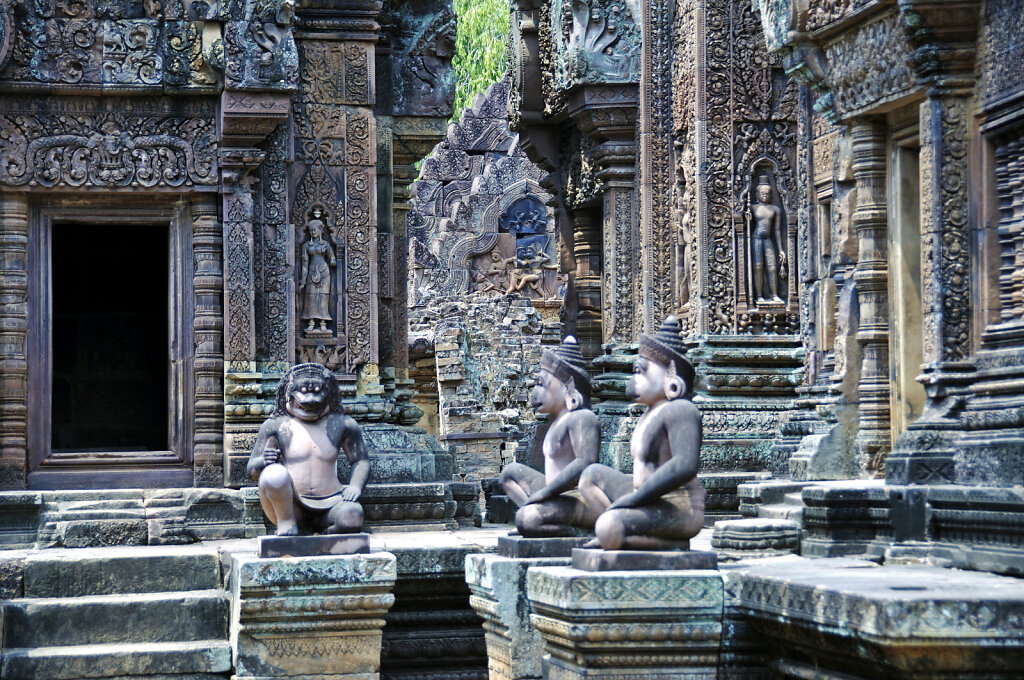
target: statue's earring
675 386
573 398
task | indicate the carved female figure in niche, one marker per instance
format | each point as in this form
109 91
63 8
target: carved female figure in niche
768 252
315 278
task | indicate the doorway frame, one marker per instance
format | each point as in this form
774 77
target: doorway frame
160 469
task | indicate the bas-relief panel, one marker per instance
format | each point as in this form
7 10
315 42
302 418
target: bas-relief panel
90 142
1001 48
751 137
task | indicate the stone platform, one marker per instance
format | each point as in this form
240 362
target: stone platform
616 624
523 547
305 546
310 617
642 560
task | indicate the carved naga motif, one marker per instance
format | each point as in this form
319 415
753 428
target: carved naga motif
599 41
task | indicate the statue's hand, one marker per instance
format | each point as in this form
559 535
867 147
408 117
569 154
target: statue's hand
630 500
350 494
271 455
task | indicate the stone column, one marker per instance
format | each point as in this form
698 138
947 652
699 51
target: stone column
587 251
498 594
208 288
871 276
13 332
310 617
621 624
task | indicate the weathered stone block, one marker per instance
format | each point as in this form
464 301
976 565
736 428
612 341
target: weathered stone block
302 617
612 624
498 587
308 546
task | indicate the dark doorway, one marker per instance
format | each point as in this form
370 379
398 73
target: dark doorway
110 338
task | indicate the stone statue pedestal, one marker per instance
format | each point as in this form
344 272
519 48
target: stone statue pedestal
310 546
310 617
589 559
524 547
497 588
628 624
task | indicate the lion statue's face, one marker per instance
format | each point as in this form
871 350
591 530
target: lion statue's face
309 398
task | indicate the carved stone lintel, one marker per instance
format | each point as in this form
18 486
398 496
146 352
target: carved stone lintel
246 118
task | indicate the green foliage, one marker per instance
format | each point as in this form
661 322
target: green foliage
480 50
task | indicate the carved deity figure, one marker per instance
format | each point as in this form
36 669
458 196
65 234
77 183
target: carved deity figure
684 244
295 457
768 252
496 273
661 505
531 271
315 278
549 504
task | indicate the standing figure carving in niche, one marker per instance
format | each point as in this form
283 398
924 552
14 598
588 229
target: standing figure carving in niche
684 245
549 504
295 458
661 505
769 255
315 278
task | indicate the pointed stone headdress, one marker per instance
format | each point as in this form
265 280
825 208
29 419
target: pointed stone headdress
665 347
566 363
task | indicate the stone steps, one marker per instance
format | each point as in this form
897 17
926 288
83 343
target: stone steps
117 613
108 619
71 662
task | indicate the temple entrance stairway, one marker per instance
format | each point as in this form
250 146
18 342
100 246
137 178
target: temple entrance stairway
126 612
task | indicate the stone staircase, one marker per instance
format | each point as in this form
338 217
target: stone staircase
130 613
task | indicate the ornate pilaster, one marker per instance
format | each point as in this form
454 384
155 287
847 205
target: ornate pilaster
943 44
13 331
871 276
208 288
237 166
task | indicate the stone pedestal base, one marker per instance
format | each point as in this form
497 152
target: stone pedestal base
753 538
308 546
310 617
518 546
498 593
596 559
619 625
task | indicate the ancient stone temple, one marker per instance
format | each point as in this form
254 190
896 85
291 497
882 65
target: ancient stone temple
726 296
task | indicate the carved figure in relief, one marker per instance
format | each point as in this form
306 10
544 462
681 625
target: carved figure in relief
315 278
684 244
549 504
496 274
295 457
769 255
531 271
661 505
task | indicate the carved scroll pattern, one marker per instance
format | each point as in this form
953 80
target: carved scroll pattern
684 213
718 159
95 143
273 289
238 285
945 241
656 90
359 292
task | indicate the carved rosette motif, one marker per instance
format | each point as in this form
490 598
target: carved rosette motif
99 143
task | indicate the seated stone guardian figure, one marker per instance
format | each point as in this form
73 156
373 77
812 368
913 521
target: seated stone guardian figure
661 505
295 457
549 504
